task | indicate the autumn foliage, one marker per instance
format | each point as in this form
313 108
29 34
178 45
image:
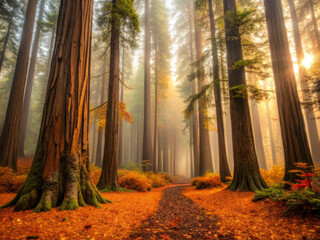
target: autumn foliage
210 180
11 181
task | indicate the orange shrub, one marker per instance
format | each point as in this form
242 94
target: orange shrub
135 181
10 181
210 180
95 173
273 176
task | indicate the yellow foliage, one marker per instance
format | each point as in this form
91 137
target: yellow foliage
101 112
210 180
10 181
273 176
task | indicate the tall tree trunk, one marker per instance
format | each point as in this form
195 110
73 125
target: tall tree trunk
314 22
6 39
101 131
246 175
60 173
295 142
223 162
309 112
258 135
174 152
156 130
191 153
204 140
273 149
147 143
94 141
10 130
109 174
28 91
195 117
120 159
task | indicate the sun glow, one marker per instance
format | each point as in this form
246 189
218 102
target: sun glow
307 61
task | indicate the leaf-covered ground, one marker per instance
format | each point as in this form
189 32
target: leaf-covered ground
112 221
244 219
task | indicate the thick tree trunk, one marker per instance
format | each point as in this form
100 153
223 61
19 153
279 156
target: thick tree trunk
295 142
223 162
101 130
94 141
309 112
314 22
28 91
147 143
195 117
6 40
165 144
246 175
204 140
109 174
10 130
191 153
258 135
120 159
60 173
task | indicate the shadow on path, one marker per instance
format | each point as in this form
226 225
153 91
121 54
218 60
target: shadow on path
178 217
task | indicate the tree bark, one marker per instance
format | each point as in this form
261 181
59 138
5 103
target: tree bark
120 159
204 141
109 174
195 117
295 142
6 40
10 130
60 173
246 175
309 112
147 143
28 91
223 161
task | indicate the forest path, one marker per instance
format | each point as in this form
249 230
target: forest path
178 217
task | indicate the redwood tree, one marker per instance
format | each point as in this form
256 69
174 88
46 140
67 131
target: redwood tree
205 160
223 162
121 13
10 130
309 112
246 175
294 137
60 173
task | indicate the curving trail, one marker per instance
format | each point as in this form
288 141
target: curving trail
178 217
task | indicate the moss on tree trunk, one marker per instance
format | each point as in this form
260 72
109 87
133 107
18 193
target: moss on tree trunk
60 173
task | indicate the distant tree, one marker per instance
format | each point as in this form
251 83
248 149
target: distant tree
309 112
60 173
10 131
295 142
28 91
147 143
246 175
205 159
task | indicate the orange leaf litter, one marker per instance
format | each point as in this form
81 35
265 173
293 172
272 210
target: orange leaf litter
111 221
253 220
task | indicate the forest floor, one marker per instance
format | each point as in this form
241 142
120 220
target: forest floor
177 211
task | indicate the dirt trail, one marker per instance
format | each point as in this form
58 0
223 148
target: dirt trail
178 217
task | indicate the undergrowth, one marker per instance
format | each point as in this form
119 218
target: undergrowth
302 196
210 180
